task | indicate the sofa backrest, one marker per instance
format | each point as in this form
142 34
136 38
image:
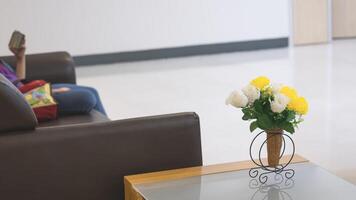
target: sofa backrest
53 67
15 113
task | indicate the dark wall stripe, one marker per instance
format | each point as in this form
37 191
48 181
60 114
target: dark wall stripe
180 51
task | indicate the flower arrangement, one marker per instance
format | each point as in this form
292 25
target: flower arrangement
269 106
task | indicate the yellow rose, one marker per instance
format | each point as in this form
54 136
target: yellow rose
260 82
290 92
299 105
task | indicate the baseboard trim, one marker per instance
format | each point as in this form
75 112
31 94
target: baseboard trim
179 51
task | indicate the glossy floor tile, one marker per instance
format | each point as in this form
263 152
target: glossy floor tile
324 74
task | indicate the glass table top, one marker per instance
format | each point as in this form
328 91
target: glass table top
310 182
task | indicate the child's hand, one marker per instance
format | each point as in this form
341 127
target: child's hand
19 52
60 90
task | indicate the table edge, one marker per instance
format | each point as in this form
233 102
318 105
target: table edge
200 170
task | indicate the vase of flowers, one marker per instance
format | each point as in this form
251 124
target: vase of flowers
273 108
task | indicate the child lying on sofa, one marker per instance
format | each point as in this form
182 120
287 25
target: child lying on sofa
71 98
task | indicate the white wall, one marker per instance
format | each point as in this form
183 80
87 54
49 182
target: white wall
101 26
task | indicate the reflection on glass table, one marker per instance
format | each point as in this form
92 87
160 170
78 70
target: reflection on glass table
275 191
309 183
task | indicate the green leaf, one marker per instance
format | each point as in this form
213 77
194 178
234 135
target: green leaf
253 126
290 116
278 117
258 106
245 110
287 126
245 117
248 114
264 122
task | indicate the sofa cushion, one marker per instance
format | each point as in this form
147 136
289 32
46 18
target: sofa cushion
16 113
92 117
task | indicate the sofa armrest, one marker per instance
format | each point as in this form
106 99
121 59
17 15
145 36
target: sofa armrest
55 67
88 162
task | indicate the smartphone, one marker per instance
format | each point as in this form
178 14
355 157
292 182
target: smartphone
17 39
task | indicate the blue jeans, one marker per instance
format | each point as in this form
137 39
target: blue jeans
79 100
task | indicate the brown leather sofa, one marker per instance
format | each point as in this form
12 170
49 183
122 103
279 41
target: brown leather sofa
83 157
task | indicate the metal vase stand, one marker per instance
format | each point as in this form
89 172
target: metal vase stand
263 171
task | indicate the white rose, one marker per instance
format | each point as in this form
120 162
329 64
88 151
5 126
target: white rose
276 87
279 103
251 92
237 99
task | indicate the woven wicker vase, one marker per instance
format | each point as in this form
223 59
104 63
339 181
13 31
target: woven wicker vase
274 144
